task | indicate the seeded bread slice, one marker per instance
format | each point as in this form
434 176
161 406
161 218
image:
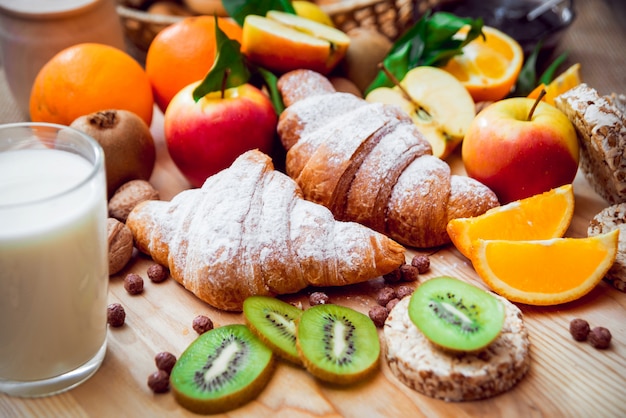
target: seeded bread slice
441 374
600 123
613 217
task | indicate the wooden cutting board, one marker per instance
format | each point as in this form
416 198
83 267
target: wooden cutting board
566 378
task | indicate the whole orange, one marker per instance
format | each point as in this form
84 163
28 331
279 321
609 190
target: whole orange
183 53
87 78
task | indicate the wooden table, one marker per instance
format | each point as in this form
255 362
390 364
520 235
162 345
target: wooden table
566 379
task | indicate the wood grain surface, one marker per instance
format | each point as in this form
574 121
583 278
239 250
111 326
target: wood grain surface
566 379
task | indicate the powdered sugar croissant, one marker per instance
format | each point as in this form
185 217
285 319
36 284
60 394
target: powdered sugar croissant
248 231
368 163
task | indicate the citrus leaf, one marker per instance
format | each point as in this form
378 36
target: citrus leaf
228 70
548 74
239 9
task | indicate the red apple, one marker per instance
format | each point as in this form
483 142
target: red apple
517 156
205 137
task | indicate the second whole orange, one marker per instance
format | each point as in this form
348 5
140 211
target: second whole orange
183 53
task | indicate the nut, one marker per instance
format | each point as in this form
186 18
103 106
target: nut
409 272
392 304
129 195
120 240
404 291
394 276
378 314
422 262
385 294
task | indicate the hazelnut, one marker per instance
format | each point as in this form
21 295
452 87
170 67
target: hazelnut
159 381
409 272
318 298
129 195
116 315
120 241
133 283
165 361
384 295
579 328
378 314
157 273
600 337
202 324
422 262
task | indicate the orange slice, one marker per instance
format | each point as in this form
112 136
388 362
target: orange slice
488 67
545 272
565 81
543 216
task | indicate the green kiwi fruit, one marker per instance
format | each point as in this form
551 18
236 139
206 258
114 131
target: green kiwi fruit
221 370
337 344
456 315
274 322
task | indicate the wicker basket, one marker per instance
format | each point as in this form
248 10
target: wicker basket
390 17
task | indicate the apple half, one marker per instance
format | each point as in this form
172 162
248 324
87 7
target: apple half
283 42
440 106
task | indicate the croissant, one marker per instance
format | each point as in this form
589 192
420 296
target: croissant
248 231
369 163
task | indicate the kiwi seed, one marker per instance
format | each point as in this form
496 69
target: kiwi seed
456 315
221 370
337 344
274 322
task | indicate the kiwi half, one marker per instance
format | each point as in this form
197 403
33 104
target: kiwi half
456 315
274 322
337 344
221 370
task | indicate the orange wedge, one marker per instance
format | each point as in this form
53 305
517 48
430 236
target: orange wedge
565 81
488 67
543 216
545 272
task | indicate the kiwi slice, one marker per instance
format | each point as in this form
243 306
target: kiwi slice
274 322
456 315
221 370
337 344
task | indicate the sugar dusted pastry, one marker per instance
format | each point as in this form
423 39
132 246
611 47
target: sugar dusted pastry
247 231
368 163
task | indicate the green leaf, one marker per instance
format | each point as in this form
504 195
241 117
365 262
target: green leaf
271 82
430 41
228 70
239 9
548 74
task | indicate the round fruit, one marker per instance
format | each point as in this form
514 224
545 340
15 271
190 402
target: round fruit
337 344
274 322
545 272
221 370
488 67
86 78
368 47
565 81
456 315
183 53
129 150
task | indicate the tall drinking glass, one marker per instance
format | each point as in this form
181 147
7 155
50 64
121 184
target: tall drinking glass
53 258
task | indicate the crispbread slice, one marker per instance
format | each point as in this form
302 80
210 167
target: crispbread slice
441 374
601 127
610 218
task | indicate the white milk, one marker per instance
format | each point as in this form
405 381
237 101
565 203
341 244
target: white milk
53 267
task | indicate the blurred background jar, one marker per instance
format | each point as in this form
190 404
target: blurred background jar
33 31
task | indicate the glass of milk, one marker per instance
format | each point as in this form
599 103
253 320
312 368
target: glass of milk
53 258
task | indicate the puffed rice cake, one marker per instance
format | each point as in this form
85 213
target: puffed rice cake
610 218
442 374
